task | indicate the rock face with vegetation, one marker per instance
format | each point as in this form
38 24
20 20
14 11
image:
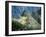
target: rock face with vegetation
27 21
26 18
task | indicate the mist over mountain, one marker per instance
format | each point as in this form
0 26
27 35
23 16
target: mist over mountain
26 17
20 9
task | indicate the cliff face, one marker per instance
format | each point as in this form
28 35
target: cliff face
32 21
26 18
26 22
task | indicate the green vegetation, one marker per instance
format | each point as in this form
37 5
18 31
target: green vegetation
33 21
17 26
